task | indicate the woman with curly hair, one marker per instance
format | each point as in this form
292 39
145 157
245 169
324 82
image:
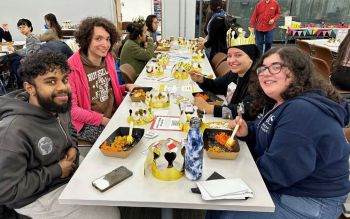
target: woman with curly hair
96 93
54 32
302 153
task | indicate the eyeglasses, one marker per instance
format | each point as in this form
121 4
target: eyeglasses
274 68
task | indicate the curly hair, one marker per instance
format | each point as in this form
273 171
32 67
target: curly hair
149 21
51 18
305 79
85 32
42 62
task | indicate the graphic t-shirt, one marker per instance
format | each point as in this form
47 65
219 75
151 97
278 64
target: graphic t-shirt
100 87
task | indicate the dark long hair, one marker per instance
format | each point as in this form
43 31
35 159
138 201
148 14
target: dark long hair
149 21
343 52
51 18
134 29
305 79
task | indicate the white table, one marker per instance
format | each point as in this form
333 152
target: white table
324 43
141 191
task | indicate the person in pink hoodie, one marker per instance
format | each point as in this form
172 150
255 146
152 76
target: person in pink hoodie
96 93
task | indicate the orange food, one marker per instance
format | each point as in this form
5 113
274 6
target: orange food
117 145
215 149
138 93
204 96
221 138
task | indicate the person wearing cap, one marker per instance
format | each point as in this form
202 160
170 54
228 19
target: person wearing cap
233 84
265 16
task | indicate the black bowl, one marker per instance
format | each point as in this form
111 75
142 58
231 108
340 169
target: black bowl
137 134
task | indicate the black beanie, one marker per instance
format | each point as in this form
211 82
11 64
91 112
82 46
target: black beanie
251 50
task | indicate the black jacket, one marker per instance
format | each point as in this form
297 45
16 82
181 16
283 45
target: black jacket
219 86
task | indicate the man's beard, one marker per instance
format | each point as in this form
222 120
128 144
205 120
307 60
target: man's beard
49 104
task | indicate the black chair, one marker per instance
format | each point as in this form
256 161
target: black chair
7 213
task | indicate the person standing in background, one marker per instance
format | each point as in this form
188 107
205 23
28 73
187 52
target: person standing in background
265 14
54 32
216 28
5 33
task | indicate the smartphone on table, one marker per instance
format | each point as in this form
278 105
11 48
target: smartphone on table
112 178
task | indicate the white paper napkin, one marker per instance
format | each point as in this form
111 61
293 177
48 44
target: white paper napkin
224 189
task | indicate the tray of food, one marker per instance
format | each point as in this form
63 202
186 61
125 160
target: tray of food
116 144
138 94
209 97
214 143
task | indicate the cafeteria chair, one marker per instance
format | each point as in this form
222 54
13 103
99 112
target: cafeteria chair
322 68
218 59
222 69
305 46
128 73
324 54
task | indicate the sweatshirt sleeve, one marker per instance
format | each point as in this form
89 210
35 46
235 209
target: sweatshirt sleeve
17 180
253 18
142 54
278 13
218 85
291 155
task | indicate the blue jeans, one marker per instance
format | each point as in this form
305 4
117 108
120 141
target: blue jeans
262 38
290 207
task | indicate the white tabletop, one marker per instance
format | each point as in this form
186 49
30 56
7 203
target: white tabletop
147 191
324 43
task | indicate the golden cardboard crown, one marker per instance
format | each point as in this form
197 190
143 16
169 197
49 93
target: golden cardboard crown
240 39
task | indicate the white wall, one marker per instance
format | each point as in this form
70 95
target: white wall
134 8
35 10
179 17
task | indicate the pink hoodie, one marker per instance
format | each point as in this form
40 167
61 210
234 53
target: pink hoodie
81 106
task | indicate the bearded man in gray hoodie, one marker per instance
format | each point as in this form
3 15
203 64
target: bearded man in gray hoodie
38 148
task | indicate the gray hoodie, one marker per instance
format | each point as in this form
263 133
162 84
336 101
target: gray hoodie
32 142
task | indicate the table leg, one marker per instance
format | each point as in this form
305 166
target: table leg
167 213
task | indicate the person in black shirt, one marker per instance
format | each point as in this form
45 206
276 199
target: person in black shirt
233 84
5 33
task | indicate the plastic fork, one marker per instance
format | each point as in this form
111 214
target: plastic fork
230 141
129 138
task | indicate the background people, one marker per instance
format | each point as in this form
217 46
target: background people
264 17
54 31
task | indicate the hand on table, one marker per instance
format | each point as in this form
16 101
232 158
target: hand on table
129 87
202 104
243 127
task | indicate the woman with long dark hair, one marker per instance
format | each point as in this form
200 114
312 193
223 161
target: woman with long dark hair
54 32
136 50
